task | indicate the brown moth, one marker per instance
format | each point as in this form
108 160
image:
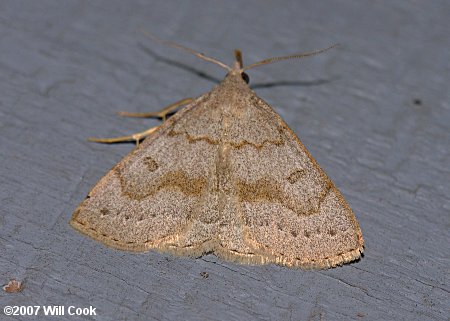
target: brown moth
225 175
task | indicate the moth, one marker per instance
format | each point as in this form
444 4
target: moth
223 175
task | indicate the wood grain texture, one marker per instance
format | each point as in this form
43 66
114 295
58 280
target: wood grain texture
66 68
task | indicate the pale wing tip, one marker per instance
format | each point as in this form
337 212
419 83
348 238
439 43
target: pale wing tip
319 264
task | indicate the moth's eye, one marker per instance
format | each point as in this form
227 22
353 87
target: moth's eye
245 77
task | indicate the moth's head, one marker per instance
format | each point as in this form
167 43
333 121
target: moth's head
238 66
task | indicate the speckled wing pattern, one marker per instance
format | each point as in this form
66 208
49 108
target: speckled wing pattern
224 175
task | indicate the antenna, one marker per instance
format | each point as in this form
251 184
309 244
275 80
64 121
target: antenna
189 50
296 56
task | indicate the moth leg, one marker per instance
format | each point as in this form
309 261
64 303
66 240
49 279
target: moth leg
139 136
158 114
136 137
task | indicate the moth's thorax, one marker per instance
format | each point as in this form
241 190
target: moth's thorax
233 90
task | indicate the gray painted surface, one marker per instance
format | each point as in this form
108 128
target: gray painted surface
66 67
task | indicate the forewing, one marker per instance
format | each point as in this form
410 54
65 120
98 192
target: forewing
149 198
293 213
